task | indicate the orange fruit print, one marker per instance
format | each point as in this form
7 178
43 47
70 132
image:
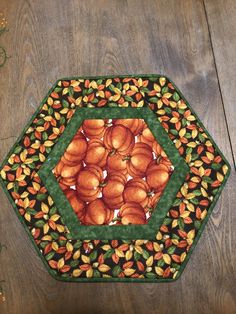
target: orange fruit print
113 172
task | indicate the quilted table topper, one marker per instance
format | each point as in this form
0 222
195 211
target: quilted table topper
114 179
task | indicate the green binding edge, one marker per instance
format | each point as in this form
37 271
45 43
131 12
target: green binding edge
146 280
114 232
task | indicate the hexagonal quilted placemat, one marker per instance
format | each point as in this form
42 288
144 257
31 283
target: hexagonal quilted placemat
114 179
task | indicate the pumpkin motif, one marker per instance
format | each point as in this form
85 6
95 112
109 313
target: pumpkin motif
132 213
158 149
139 159
154 200
77 205
76 150
147 137
137 190
166 161
96 153
157 176
89 183
119 139
97 213
118 150
116 163
94 128
67 173
113 190
135 125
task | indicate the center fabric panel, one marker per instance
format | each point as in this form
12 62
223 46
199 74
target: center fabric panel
113 172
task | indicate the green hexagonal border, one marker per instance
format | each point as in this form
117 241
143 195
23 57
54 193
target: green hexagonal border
58 276
107 232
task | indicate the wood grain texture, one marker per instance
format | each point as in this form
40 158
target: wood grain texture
221 19
52 39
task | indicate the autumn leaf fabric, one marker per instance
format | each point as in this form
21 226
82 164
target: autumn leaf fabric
162 258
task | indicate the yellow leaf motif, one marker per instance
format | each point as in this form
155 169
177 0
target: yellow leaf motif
173 104
210 156
55 217
60 263
225 169
191 234
182 105
44 208
174 120
103 268
139 242
162 81
108 82
159 236
160 104
106 247
138 249
157 88
156 247
182 257
198 163
60 228
36 186
190 207
119 253
167 95
77 272
55 246
89 273
220 177
48 143
129 271
167 259
26 202
189 196
47 238
69 247
203 214
85 259
159 271
191 118
64 111
20 178
50 101
182 132
140 104
192 144
3 174
27 217
56 131
65 91
149 261
45 228
93 84
10 185
35 145
50 201
78 101
76 255
174 224
194 133
128 255
23 155
27 171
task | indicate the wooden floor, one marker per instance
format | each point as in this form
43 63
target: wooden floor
192 42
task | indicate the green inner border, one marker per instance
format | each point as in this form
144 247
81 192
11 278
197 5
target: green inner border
126 280
107 232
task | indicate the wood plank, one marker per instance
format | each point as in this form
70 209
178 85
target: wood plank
221 18
48 41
